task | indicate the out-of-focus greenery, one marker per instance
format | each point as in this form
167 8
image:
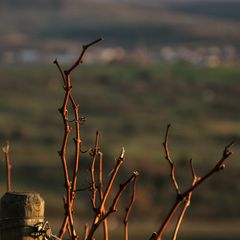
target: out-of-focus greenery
131 105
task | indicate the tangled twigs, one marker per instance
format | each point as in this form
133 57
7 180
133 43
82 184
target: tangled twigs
101 205
101 210
100 217
6 152
186 196
96 186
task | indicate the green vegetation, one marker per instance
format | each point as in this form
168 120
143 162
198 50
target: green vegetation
130 104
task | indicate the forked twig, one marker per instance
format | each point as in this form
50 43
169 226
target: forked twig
101 209
188 193
186 203
112 208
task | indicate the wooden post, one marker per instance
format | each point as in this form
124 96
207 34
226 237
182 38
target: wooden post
21 213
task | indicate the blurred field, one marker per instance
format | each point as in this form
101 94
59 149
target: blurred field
130 104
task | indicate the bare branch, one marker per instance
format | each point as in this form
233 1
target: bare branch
70 192
86 232
168 157
61 71
188 193
129 208
100 191
79 60
112 178
93 188
65 221
77 141
113 207
6 152
219 166
186 204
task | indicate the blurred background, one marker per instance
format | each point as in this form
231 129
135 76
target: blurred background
162 61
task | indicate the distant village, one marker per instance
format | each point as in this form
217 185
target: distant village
210 56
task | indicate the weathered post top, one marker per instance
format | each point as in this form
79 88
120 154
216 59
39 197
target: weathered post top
21 212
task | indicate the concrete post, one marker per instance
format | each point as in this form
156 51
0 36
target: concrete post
21 216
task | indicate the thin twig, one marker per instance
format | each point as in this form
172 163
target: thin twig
86 231
129 208
112 178
219 166
186 204
100 191
93 188
65 224
79 60
168 157
101 210
77 141
113 207
6 152
61 71
63 155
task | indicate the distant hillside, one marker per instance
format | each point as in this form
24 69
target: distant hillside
228 10
125 23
